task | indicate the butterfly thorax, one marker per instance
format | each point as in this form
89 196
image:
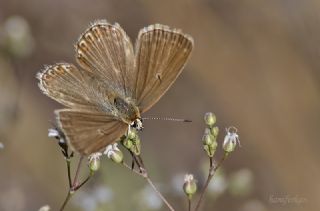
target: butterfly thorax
127 110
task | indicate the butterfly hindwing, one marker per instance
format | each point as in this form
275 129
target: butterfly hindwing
89 132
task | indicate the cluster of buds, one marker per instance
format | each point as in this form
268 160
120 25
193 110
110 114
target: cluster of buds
112 152
210 135
132 141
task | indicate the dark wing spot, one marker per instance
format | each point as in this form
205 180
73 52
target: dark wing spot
158 75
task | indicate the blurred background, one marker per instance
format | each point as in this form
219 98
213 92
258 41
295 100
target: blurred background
255 65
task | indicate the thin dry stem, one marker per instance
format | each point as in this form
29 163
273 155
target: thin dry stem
143 173
74 186
212 171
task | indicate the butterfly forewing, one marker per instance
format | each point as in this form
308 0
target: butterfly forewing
89 132
106 50
161 53
66 84
76 88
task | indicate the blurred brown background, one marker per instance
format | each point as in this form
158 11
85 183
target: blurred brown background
255 65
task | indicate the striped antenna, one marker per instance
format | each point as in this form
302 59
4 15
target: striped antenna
166 119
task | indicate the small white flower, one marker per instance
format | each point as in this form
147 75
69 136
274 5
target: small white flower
231 139
94 156
114 153
111 149
232 136
188 178
53 133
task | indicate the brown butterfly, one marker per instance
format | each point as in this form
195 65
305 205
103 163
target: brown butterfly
115 84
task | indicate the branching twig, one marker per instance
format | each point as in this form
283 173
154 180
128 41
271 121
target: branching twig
69 172
66 201
84 181
212 171
143 173
74 186
75 180
159 194
133 170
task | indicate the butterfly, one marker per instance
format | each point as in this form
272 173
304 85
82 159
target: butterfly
115 83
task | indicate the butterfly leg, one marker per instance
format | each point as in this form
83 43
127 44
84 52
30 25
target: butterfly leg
133 160
136 159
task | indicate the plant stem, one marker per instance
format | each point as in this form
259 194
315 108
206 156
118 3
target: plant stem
74 186
75 180
135 171
189 204
146 176
84 181
69 171
158 192
66 201
212 171
143 173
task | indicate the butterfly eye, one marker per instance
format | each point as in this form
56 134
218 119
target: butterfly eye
137 124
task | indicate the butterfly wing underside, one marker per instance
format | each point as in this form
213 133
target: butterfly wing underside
161 54
89 132
64 83
88 123
111 69
106 50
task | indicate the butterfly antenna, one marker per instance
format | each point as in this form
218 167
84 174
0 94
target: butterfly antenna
166 119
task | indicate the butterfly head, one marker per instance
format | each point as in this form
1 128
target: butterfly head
137 124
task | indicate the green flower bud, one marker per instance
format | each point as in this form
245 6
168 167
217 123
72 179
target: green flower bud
136 147
210 119
114 153
211 149
189 186
117 156
128 143
94 161
207 139
215 131
94 165
207 149
209 143
132 133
